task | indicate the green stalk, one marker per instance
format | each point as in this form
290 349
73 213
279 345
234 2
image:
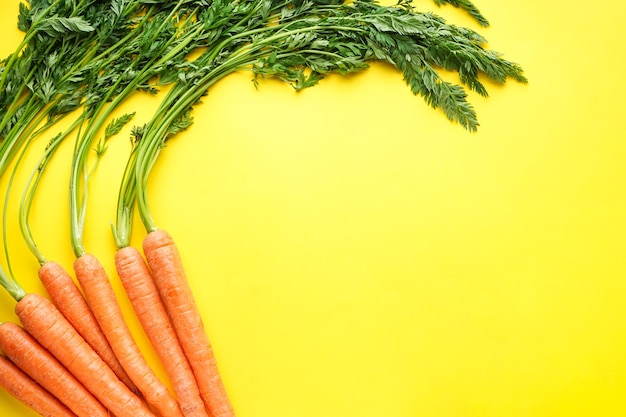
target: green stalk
28 196
30 191
13 288
27 122
77 204
31 133
152 143
121 229
18 99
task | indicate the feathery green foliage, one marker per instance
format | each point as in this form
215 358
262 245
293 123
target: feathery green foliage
92 56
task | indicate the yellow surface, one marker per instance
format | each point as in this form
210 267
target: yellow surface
356 255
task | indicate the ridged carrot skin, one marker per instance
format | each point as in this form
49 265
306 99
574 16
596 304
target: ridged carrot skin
169 276
34 360
68 298
144 296
30 393
102 300
48 326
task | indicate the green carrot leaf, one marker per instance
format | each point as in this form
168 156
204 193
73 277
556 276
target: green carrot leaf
57 25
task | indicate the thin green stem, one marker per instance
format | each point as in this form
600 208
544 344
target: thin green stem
13 288
27 121
125 204
30 190
31 133
104 110
152 143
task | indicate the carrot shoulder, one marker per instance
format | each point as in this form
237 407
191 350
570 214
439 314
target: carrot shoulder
26 353
67 297
167 269
144 296
102 300
30 393
48 326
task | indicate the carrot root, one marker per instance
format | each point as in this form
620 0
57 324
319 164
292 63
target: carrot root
26 353
144 296
169 275
103 303
29 393
68 298
48 326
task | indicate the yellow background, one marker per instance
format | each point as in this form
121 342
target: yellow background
355 254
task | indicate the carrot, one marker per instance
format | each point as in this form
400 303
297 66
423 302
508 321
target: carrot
143 294
30 393
102 301
67 297
48 326
27 354
167 269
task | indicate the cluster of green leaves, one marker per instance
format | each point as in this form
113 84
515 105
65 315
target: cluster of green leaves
91 56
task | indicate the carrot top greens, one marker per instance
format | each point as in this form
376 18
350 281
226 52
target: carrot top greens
301 43
92 56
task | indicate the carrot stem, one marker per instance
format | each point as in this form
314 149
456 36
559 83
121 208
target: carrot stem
11 285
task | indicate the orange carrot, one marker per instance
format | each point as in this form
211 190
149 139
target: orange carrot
67 297
48 326
27 354
170 278
144 296
102 300
30 393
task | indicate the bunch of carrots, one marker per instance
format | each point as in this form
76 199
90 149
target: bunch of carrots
72 353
